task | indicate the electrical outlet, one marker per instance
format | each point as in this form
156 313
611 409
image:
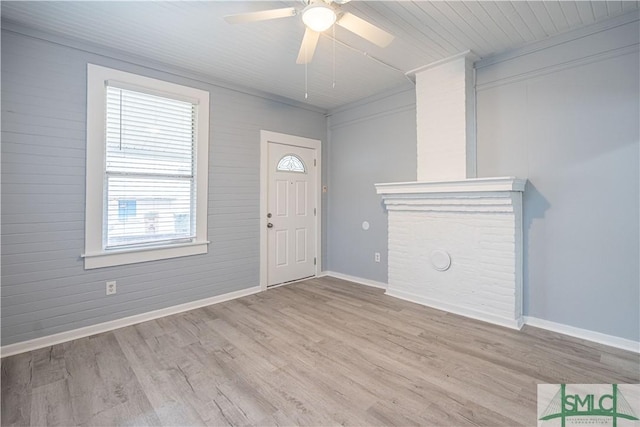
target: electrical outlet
376 257
111 287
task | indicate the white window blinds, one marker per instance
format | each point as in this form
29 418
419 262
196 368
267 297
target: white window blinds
150 169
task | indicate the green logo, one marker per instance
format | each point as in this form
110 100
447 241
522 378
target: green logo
584 406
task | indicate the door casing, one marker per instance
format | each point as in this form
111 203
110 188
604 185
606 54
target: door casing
314 144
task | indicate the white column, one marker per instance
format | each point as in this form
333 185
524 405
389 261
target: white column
445 93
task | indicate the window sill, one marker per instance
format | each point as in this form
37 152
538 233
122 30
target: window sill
133 256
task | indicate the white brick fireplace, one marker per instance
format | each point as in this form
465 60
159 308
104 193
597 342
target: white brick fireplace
455 241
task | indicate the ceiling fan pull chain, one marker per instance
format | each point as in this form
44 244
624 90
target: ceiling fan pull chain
306 85
334 55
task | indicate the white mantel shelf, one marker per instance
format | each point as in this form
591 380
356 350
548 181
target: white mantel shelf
474 185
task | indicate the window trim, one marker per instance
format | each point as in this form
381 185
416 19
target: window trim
95 256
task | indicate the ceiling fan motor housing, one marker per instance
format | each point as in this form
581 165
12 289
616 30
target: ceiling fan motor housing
318 16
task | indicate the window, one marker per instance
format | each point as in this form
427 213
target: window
291 163
147 161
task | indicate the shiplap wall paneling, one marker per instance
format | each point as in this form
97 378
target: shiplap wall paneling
45 289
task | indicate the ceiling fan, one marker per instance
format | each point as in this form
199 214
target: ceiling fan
319 16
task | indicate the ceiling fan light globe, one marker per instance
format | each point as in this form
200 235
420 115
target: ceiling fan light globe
318 17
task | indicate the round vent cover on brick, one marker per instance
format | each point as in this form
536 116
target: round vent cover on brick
440 260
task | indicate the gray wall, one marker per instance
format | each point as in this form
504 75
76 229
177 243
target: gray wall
567 119
371 142
45 289
565 116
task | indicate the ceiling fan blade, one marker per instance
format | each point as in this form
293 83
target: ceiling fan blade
365 29
262 15
308 46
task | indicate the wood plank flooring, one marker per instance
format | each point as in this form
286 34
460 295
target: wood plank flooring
319 352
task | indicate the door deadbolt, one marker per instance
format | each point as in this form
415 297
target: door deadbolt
269 215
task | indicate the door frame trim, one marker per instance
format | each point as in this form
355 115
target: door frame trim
297 141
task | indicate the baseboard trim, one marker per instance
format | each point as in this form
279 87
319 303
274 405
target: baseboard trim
572 331
473 314
585 334
354 279
49 340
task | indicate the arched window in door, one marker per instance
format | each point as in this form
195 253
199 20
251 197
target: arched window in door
291 163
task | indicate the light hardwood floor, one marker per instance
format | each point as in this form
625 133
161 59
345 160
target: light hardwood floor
320 352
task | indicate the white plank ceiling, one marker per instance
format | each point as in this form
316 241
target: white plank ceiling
261 55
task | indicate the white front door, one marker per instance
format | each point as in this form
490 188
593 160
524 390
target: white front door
291 211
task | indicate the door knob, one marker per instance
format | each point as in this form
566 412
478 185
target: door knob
269 225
